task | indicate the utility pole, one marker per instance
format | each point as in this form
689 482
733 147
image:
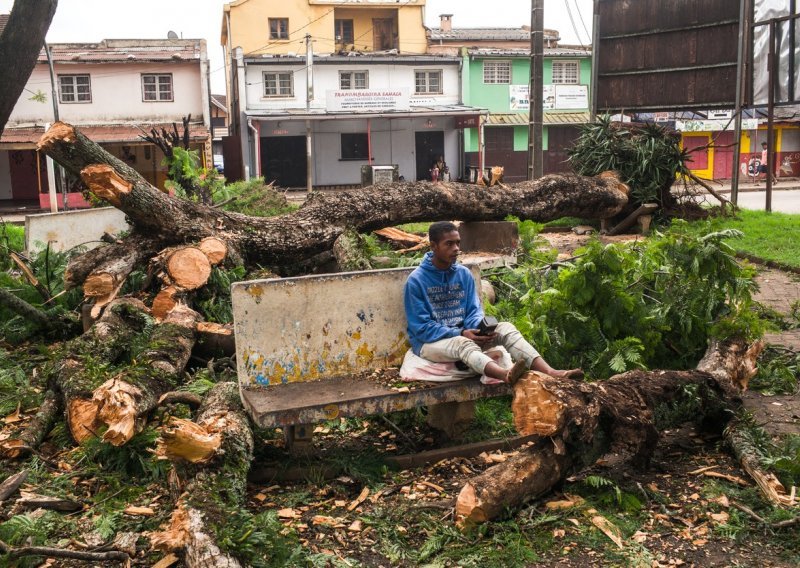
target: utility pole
595 60
535 91
56 181
309 97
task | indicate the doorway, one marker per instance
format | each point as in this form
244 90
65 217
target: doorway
428 146
283 159
383 34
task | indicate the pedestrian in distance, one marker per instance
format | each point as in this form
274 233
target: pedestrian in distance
766 165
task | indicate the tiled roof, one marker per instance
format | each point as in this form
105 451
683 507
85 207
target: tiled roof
221 100
125 50
548 52
3 21
489 34
521 118
106 133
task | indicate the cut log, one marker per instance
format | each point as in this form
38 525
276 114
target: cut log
348 250
216 489
11 484
164 302
216 339
188 268
123 402
288 239
215 249
398 237
30 277
580 420
116 261
36 429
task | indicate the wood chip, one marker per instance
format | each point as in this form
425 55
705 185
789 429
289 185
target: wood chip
287 513
360 499
323 520
731 478
702 469
432 486
355 526
167 561
260 497
139 511
13 417
721 518
608 529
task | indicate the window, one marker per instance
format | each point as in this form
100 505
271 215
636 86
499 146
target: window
74 89
278 28
157 87
354 146
565 72
279 84
428 82
353 80
497 72
343 31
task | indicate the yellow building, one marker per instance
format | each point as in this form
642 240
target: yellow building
270 27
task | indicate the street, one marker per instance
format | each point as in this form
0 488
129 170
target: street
783 201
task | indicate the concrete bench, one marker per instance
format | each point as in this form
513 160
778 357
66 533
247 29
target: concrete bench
308 349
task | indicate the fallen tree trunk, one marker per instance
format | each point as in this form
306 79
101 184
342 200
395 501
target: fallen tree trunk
313 229
579 422
221 443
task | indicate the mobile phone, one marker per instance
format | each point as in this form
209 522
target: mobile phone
487 326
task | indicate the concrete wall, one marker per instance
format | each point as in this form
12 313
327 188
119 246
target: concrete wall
326 77
116 94
313 327
393 142
5 177
72 228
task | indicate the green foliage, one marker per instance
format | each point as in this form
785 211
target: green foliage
253 197
32 529
107 524
778 371
781 457
647 157
12 239
188 179
608 493
214 299
133 459
15 387
259 540
633 306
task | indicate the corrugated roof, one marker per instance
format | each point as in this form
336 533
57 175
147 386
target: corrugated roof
481 34
3 21
125 51
520 52
221 100
521 118
104 133
355 57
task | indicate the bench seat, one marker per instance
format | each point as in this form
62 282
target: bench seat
314 401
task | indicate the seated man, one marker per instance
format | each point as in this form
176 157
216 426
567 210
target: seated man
444 312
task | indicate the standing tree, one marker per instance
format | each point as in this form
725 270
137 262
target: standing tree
20 43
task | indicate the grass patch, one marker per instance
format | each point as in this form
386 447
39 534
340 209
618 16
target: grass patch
416 228
770 236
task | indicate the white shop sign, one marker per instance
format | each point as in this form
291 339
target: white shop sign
360 100
554 97
714 125
572 97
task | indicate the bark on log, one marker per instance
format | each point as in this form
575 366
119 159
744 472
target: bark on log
579 421
285 240
35 431
216 488
123 402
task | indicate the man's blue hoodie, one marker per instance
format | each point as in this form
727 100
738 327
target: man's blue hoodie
440 303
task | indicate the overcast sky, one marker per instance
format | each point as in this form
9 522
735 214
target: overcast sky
93 20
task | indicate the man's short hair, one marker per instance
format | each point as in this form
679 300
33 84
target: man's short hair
438 229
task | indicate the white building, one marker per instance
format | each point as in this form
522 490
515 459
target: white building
362 109
113 91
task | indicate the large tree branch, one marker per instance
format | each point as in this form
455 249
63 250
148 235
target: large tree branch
314 228
20 43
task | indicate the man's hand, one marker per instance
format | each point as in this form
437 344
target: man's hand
474 335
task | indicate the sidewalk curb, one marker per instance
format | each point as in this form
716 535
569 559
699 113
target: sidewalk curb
768 263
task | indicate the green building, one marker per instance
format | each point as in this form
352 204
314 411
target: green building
497 79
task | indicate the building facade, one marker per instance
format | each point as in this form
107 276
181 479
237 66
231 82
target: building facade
498 79
447 40
368 95
113 91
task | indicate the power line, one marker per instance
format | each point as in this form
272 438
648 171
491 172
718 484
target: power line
583 23
572 21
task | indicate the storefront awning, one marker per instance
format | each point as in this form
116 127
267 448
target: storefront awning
27 137
413 112
551 118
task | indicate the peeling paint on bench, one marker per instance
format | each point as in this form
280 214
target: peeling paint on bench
310 328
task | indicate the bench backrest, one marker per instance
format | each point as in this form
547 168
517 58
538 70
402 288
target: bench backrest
317 327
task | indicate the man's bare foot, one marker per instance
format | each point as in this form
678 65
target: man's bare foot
575 374
516 372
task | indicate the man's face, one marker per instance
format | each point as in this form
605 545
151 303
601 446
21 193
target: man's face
446 251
